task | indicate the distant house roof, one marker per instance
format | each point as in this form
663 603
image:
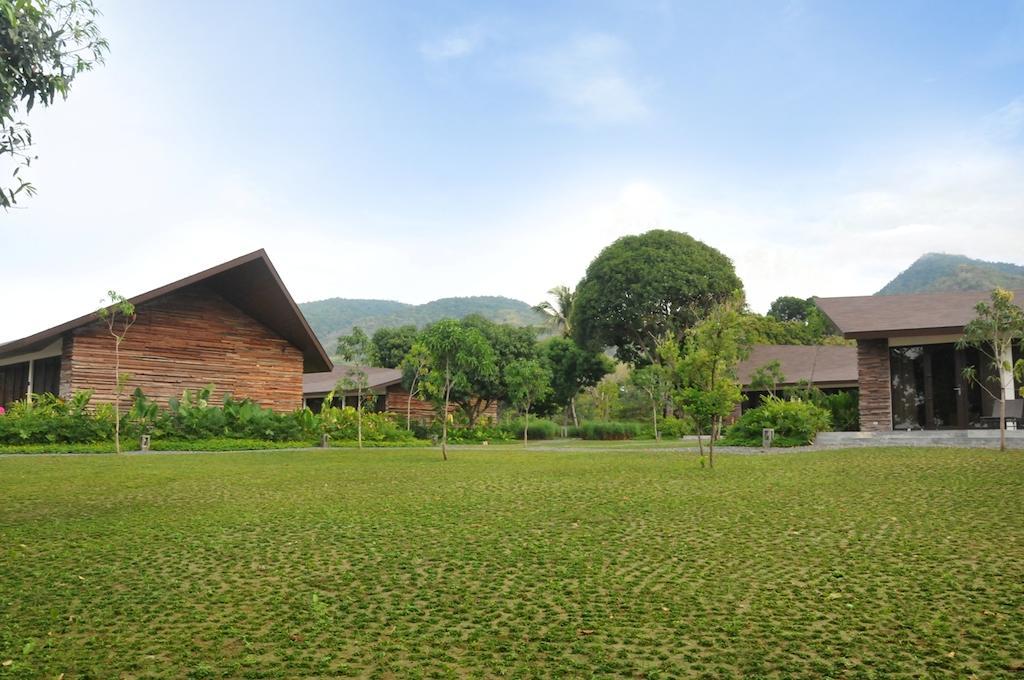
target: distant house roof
249 282
821 365
882 316
378 380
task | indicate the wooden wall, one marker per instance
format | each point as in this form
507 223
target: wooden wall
875 385
423 411
188 339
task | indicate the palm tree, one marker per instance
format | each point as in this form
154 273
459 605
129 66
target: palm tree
560 312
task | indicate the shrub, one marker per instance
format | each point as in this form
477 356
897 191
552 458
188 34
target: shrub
609 430
796 423
52 420
473 435
539 429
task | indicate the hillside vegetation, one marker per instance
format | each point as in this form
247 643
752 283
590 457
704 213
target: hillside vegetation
937 272
337 316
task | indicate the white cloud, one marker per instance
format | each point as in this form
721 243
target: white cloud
587 80
457 44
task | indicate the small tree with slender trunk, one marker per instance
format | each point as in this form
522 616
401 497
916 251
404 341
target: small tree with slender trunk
707 370
653 380
528 382
415 367
458 356
993 331
355 379
119 315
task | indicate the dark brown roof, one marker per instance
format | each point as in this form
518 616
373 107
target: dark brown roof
378 379
249 282
881 316
821 365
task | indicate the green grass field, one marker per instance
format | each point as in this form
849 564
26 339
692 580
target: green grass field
603 563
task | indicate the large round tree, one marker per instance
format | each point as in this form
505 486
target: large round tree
643 288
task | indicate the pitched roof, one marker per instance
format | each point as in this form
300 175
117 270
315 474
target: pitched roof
249 282
378 379
880 316
821 365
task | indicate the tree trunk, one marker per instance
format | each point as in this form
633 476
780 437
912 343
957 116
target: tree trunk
117 394
654 409
1002 424
572 405
359 417
408 406
526 428
711 444
444 416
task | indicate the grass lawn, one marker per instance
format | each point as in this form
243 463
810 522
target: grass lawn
622 562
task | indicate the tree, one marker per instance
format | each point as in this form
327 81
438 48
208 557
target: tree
767 377
789 308
355 347
458 353
993 331
415 367
654 381
119 315
508 343
355 378
389 346
559 312
573 369
528 382
44 45
707 371
642 288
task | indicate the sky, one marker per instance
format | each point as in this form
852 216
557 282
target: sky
412 150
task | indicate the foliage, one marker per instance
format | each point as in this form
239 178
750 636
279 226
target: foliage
643 288
51 420
508 344
44 45
767 378
608 430
796 423
536 429
573 369
993 332
816 330
655 381
789 308
355 347
528 382
559 312
459 356
676 428
389 346
706 375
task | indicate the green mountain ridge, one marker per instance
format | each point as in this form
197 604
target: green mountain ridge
941 272
334 317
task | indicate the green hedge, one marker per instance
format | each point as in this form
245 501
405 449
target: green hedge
609 430
796 423
539 429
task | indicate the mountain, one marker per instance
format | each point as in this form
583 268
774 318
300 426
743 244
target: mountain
936 272
337 316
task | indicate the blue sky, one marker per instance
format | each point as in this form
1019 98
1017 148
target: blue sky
415 150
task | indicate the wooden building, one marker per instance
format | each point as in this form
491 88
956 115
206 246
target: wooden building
234 326
909 368
384 390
